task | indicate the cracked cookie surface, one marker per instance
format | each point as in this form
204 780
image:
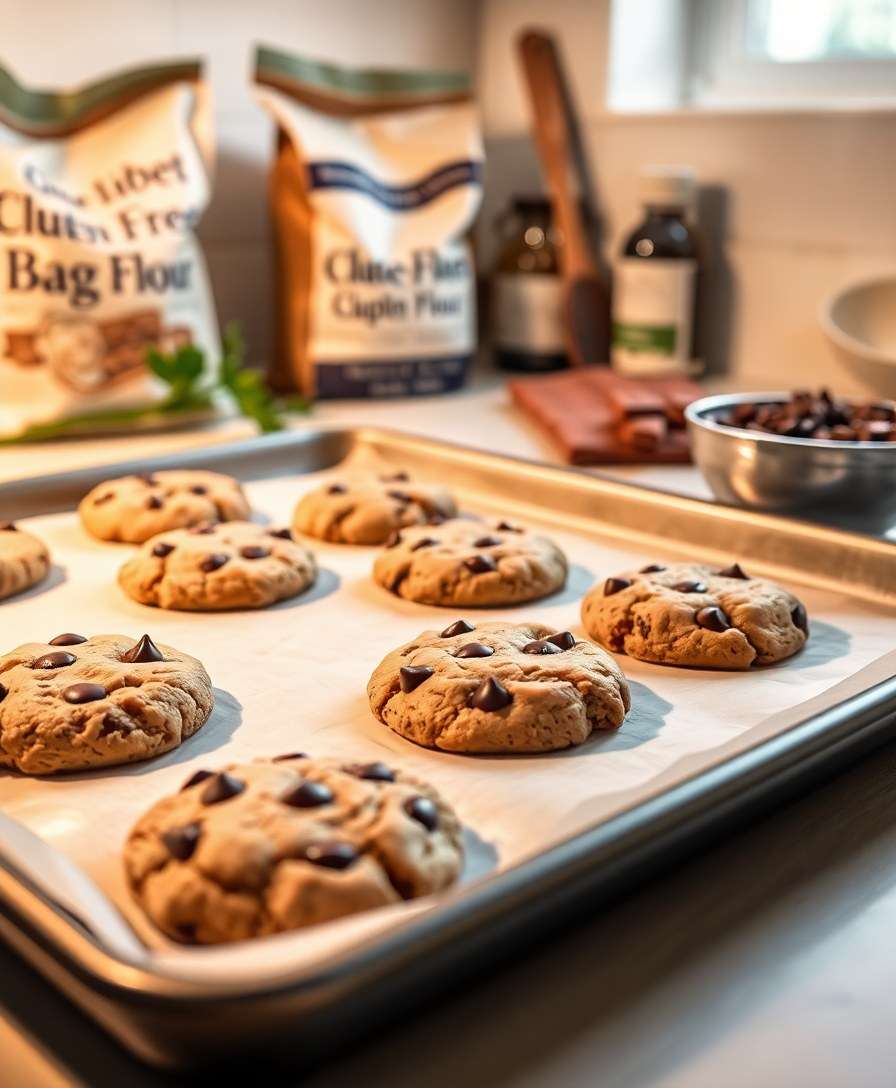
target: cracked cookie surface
131 509
75 703
24 560
498 687
696 615
366 508
284 843
205 569
471 563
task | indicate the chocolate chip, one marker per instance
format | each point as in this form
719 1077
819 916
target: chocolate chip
8 527
100 499
54 661
564 639
162 550
332 855
712 618
199 489
143 652
690 587
4 691
474 649
491 695
486 542
480 564
615 585
84 693
337 489
213 562
396 478
289 755
799 618
254 551
67 639
423 811
308 795
281 534
435 518
203 529
505 527
195 778
412 676
541 646
154 503
734 571
374 772
400 496
652 568
459 627
181 842
145 478
221 787
393 539
425 542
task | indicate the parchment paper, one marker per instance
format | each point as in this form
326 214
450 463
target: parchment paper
294 676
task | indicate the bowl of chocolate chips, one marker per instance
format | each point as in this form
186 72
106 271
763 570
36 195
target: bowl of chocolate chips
832 458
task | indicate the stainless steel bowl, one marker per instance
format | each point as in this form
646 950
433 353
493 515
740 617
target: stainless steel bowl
847 483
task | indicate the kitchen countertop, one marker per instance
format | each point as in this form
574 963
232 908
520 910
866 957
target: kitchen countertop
768 959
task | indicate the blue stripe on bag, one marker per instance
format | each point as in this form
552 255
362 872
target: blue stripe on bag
342 175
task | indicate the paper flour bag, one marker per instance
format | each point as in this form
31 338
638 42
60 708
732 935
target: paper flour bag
375 185
100 193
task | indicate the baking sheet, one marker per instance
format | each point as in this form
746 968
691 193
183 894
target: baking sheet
294 676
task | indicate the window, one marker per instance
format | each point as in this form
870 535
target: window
752 54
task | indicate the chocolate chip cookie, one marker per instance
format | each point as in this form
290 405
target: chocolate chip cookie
210 568
75 703
24 560
498 687
283 843
134 508
697 615
470 563
367 508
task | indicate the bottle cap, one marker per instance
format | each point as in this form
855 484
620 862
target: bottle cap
668 186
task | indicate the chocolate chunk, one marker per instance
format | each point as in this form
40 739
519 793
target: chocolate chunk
289 755
199 489
712 618
400 496
254 551
615 585
100 499
8 527
67 639
332 855
143 652
412 676
203 529
459 627
486 542
162 550
690 587
394 539
195 778
491 695
564 639
221 787
84 693
480 564
213 562
374 772
799 618
474 649
423 811
4 691
541 646
734 571
424 542
506 527
281 534
652 568
337 489
181 842
154 502
54 661
308 795
396 478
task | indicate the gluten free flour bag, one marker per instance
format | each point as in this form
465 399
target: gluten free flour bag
100 193
375 185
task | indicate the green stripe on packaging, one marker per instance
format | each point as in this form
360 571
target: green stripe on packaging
359 83
61 111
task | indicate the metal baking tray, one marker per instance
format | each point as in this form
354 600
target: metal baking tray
175 1020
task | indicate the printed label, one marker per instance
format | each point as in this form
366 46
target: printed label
529 314
653 316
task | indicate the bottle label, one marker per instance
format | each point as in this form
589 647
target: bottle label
528 314
653 316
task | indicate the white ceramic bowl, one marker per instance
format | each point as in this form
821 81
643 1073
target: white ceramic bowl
860 321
